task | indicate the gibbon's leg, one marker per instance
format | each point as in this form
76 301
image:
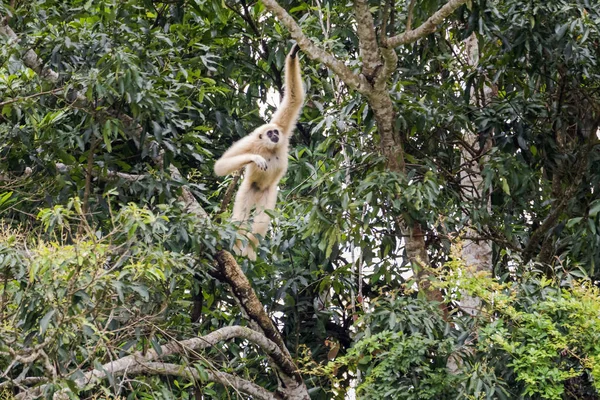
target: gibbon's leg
289 109
245 201
228 164
266 200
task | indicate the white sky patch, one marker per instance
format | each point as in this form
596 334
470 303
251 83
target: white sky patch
272 100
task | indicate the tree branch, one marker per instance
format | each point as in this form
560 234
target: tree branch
131 362
367 41
223 378
390 62
30 58
410 12
229 192
426 27
233 275
31 96
313 51
291 384
110 174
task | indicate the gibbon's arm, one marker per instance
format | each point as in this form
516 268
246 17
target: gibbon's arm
227 165
238 155
288 110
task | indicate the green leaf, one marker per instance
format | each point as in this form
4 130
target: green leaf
46 320
106 134
594 208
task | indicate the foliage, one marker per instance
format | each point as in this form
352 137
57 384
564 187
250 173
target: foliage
99 257
534 338
403 352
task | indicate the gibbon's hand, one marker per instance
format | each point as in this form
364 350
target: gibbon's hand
295 49
260 162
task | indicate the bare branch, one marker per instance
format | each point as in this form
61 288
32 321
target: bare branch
313 51
191 204
410 12
184 347
110 174
390 62
233 275
290 379
223 378
229 192
426 27
125 176
367 41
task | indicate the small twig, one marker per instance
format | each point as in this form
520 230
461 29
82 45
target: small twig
409 18
229 192
31 96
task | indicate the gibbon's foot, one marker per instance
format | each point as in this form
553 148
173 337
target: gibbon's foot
295 49
260 162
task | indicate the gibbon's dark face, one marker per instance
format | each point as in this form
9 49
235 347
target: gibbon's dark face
273 135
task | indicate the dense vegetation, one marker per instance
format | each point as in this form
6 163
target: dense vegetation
437 235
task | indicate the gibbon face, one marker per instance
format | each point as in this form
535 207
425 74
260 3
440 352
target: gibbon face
270 136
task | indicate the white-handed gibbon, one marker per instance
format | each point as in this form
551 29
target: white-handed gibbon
264 154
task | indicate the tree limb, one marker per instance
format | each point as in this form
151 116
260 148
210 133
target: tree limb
129 363
233 275
409 18
367 41
313 51
390 62
291 384
223 378
30 58
229 192
426 27
110 174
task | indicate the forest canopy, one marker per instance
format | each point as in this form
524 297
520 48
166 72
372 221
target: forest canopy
436 235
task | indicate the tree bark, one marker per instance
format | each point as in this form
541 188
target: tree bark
291 383
476 254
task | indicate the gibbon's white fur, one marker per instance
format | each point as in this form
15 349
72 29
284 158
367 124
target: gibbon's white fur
264 154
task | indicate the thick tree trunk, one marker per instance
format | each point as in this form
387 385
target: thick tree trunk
476 254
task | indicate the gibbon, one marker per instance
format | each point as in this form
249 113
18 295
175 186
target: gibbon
264 154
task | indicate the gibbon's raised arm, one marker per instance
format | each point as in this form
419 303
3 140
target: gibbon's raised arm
289 109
